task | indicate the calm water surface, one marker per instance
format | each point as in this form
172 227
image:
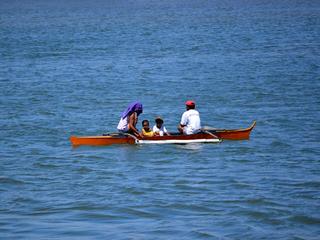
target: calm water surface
71 67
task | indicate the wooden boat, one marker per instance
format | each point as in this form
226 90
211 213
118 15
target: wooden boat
232 134
207 135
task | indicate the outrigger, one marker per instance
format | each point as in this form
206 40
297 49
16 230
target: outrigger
207 135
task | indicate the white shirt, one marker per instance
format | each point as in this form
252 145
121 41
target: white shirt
123 124
161 131
191 120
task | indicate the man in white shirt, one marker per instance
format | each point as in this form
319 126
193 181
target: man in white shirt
190 120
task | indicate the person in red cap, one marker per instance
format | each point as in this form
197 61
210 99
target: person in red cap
190 121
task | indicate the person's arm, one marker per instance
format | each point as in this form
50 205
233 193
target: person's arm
183 122
142 132
155 131
180 127
165 131
133 119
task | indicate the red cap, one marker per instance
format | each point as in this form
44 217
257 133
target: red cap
190 103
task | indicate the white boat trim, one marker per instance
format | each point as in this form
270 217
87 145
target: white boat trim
178 141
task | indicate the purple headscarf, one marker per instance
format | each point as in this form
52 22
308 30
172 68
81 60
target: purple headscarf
133 107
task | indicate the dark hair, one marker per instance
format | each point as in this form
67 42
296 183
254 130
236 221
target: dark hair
145 121
159 120
191 106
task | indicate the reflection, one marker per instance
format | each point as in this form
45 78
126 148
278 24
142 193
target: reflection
190 146
128 152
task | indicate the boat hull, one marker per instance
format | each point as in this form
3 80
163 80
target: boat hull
122 139
234 134
207 136
100 140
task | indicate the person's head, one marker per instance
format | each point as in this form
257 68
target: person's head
145 125
138 108
159 122
190 104
133 107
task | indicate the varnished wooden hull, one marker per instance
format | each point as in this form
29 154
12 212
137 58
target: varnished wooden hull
233 134
120 139
100 140
208 136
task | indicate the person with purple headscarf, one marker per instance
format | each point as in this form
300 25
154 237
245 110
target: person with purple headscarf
129 119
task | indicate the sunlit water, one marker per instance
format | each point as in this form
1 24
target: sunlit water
71 68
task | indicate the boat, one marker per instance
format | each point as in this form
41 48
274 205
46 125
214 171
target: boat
232 134
207 135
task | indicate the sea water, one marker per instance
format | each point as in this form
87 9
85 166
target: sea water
71 67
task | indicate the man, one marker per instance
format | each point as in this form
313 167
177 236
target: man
190 120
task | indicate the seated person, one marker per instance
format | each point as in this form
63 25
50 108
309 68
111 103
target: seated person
129 119
159 129
190 120
146 131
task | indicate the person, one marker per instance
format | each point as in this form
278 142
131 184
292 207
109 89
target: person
129 119
146 131
190 120
159 129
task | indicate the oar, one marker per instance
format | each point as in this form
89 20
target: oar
111 134
210 133
122 134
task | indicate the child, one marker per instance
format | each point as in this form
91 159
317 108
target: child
146 131
159 129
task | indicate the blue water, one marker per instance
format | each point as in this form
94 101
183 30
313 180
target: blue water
71 67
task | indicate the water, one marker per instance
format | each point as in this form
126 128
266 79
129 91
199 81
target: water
71 67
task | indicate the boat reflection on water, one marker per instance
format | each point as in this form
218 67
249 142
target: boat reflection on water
190 146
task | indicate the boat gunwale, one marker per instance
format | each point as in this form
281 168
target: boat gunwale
234 130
